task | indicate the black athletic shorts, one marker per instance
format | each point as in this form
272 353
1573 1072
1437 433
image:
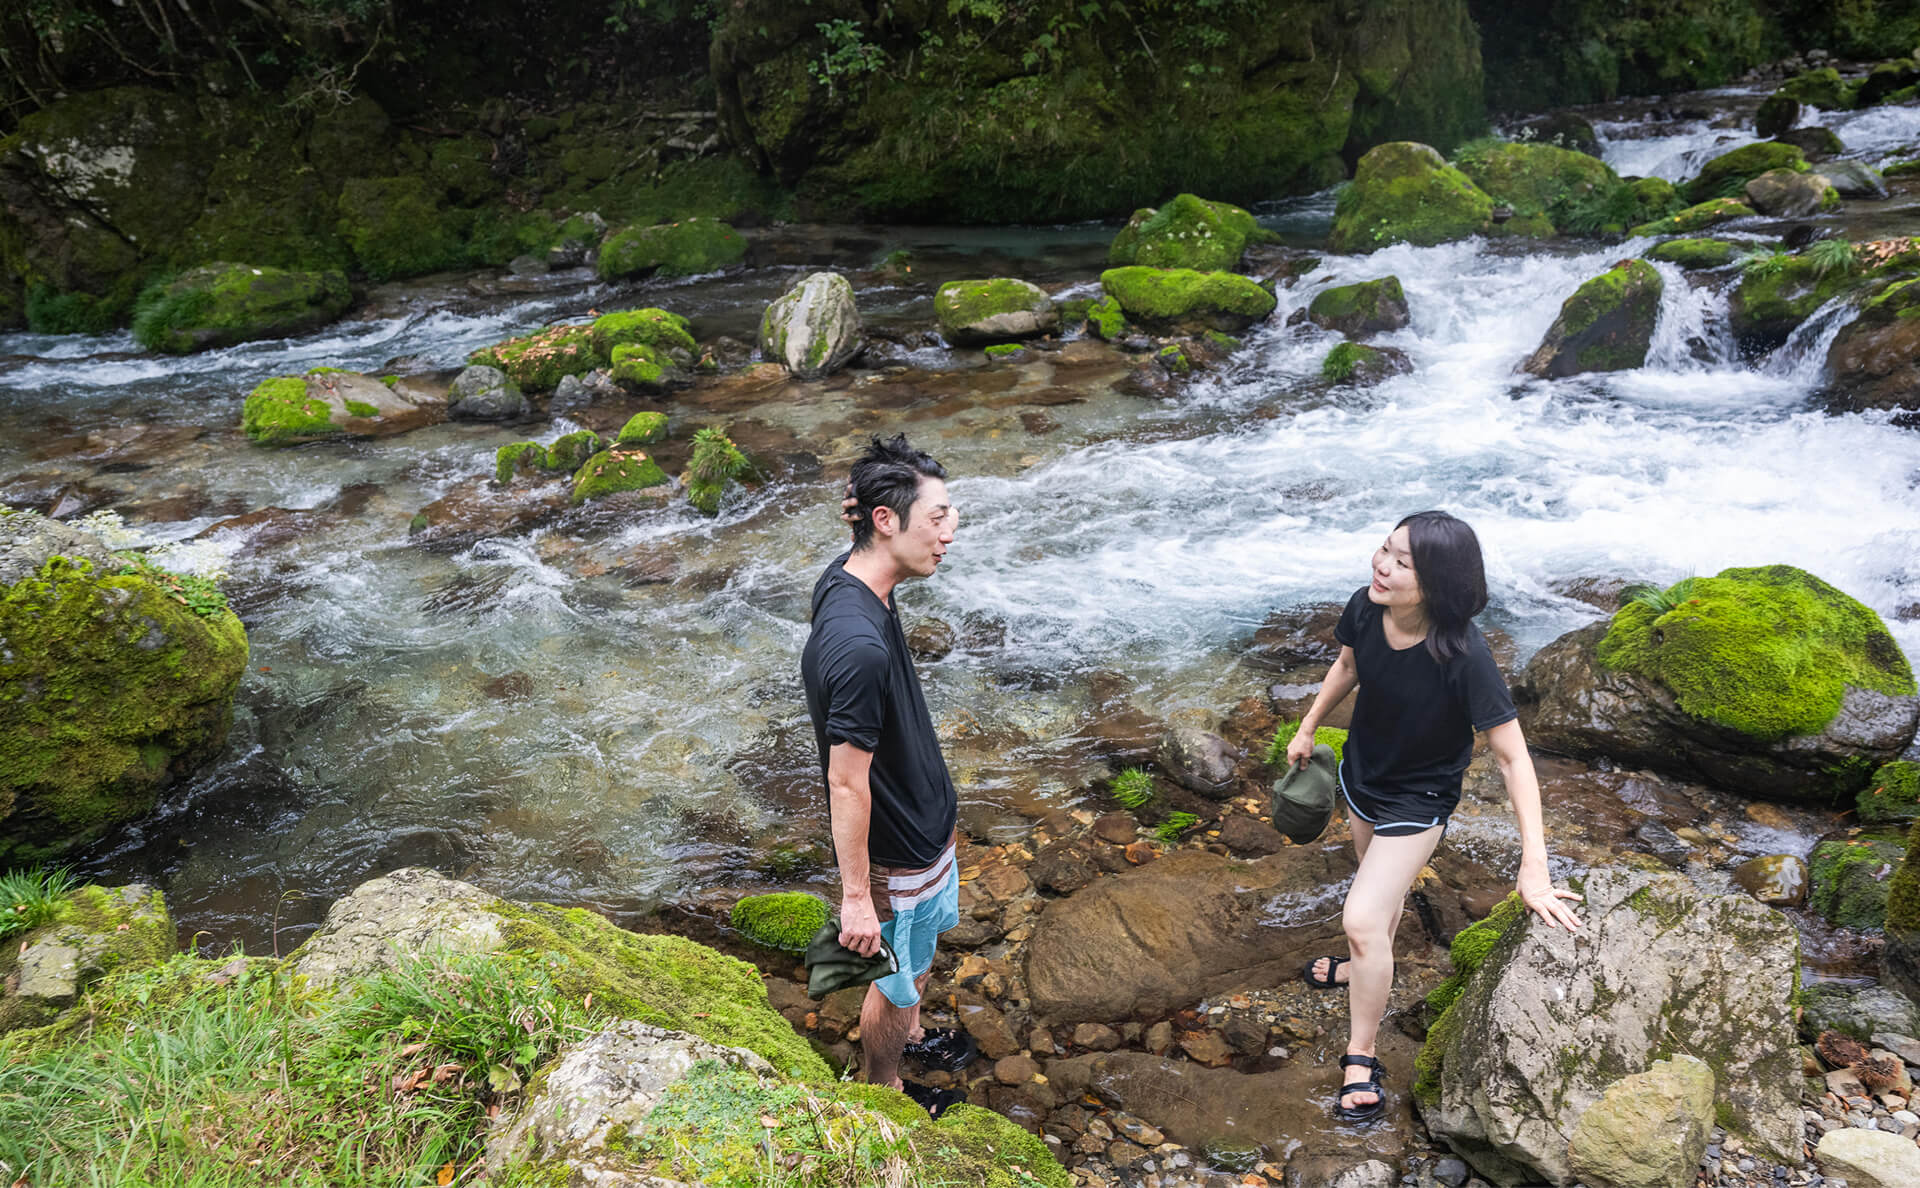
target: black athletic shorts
1399 815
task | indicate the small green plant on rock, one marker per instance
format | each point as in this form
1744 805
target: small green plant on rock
1175 826
715 461
1833 255
1657 599
28 898
1764 265
1133 788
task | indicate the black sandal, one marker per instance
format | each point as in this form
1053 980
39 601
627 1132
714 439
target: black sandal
1333 971
1367 1111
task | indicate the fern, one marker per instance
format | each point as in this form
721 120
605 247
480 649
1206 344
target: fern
1762 265
1657 600
1833 255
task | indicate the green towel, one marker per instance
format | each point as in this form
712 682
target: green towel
832 966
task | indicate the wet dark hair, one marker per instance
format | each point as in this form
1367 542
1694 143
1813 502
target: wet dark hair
887 474
1453 579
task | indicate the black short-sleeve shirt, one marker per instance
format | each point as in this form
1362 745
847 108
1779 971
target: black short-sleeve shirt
861 689
1414 718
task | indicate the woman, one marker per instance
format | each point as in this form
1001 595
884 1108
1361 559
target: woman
1427 684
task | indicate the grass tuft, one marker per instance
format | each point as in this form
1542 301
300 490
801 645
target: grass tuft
1133 788
29 898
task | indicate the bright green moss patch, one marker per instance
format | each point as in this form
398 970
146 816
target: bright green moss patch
785 920
665 332
1695 218
539 361
638 365
1331 736
1106 319
220 304
1538 179
1766 651
1005 350
509 460
1849 879
397 227
968 302
279 412
360 408
1695 253
614 471
570 451
1822 88
969 1145
1729 171
1342 361
643 428
716 461
1174 358
1892 793
685 248
1469 952
1406 193
1177 294
1187 232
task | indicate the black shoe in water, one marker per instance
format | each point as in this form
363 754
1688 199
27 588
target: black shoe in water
946 1049
935 1101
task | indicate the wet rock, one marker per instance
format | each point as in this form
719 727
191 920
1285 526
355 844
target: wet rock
1117 828
1785 193
1297 638
1777 880
1854 179
1654 957
1186 232
1192 1105
1095 1037
1004 309
477 509
1249 835
1649 1128
1199 760
1849 879
1607 325
1182 301
215 305
1363 309
1868 1158
1777 113
1663 843
1816 143
814 328
1209 1048
1874 362
930 640
1858 1011
1564 130
486 394
1061 868
1372 1174
1015 1069
1696 218
1142 943
1363 366
1405 192
986 1025
1743 164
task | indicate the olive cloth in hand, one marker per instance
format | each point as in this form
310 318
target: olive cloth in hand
1303 798
832 966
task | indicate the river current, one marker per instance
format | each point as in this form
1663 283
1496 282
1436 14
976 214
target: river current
518 714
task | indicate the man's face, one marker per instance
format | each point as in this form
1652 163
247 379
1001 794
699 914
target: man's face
917 546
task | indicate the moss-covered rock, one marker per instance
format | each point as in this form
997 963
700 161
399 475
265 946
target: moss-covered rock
1000 309
1353 363
1105 319
784 921
1187 232
1850 879
1769 652
1770 301
397 227
814 327
115 680
1892 793
516 458
1186 301
1778 112
1358 310
1727 175
1607 325
329 402
279 411
220 304
1901 957
1696 218
1407 193
715 462
643 368
1539 179
665 332
539 361
570 451
643 428
1695 254
95 932
686 248
615 471
1468 952
1822 88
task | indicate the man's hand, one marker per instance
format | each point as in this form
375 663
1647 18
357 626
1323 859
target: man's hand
849 506
859 925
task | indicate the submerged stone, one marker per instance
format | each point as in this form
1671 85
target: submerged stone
1777 880
1607 325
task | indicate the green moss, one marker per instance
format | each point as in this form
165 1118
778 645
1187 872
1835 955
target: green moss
1902 168
1357 303
1903 889
968 302
1175 295
221 304
539 361
1695 218
1742 165
397 227
1892 793
1695 253
123 934
51 312
1005 350
1770 301
1407 193
716 461
509 460
665 332
1822 88
686 248
1849 879
1469 951
1174 358
1331 736
643 428
112 686
1186 232
1766 651
279 412
969 1145
1343 360
784 921
668 981
1538 179
1607 293
638 365
614 471
360 408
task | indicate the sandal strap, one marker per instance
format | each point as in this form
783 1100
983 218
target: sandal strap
1373 1087
1352 1060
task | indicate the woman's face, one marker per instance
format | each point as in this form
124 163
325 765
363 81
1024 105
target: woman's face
1394 581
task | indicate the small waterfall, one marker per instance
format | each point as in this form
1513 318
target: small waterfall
1801 361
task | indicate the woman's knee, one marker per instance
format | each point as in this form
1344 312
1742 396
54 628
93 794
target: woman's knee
1365 930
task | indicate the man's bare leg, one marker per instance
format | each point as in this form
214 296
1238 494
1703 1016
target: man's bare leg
884 1032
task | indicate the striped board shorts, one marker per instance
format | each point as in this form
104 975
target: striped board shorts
915 907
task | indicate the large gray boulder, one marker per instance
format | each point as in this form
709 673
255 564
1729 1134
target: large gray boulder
814 328
387 919
482 393
1552 1020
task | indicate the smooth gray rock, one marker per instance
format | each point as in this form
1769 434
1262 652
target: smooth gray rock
1855 179
482 393
814 328
1199 760
1868 1158
27 541
1552 1020
1372 1174
1024 312
1783 193
403 914
1858 1011
58 961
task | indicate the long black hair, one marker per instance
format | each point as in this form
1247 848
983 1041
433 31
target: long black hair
1453 579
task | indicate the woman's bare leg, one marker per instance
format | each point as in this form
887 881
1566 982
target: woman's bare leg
1388 867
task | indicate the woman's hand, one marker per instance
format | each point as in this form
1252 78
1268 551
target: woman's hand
1300 748
1543 898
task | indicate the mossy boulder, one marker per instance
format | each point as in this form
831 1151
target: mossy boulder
539 361
397 227
1849 879
1695 254
1363 309
330 403
1901 957
486 394
1885 80
1892 793
686 248
1362 366
1183 301
615 471
1822 88
643 368
1187 232
1000 309
570 451
1778 112
279 411
1405 192
218 305
1874 362
1538 179
1783 193
715 462
95 931
643 428
1467 952
1727 174
1696 218
814 327
1607 325
115 681
1106 320
1768 303
784 921
665 332
1767 681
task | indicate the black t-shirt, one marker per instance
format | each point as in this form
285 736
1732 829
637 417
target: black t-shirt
1413 717
861 689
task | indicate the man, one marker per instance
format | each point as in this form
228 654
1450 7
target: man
891 799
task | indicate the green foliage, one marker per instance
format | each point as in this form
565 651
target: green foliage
715 462
197 593
1331 736
29 898
784 921
1764 264
1174 826
52 312
1695 218
1133 788
1657 599
848 58
1833 255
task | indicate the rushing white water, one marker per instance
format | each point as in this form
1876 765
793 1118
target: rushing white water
1676 149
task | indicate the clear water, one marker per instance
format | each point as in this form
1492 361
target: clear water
656 744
